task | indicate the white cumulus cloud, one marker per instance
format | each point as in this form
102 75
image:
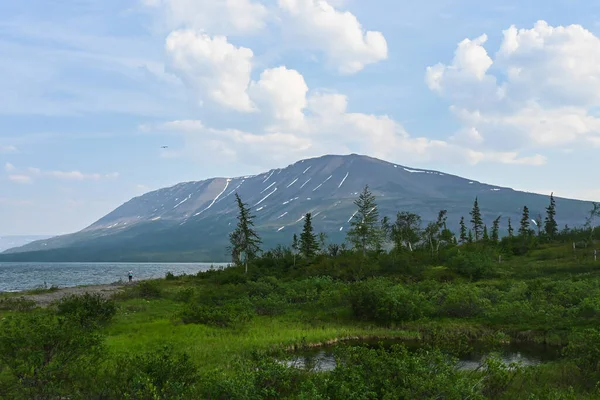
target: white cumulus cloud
540 90
339 35
281 92
212 67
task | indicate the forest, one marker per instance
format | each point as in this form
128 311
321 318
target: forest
397 308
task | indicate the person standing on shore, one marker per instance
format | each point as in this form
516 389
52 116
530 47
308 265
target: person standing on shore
130 275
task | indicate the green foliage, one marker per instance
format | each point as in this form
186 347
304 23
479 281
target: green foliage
308 240
88 310
364 233
584 351
231 314
381 301
44 356
476 220
475 264
463 231
550 225
16 304
149 290
162 373
524 227
244 240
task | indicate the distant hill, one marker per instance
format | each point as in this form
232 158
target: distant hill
7 242
191 221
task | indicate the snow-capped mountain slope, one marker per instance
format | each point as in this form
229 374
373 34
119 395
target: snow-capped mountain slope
191 220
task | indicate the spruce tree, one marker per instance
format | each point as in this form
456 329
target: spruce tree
476 220
364 231
485 237
295 247
463 231
244 239
495 230
524 227
511 231
470 236
538 224
550 225
308 240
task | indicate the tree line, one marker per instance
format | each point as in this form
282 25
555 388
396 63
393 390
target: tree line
370 233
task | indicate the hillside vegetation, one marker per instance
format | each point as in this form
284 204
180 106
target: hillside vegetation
222 334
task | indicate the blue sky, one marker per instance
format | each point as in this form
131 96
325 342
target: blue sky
91 90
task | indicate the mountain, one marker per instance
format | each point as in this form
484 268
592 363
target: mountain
191 221
8 242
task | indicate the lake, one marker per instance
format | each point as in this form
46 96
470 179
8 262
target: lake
25 276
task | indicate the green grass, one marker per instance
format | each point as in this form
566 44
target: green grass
143 324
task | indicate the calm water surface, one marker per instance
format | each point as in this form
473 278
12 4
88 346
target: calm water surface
25 276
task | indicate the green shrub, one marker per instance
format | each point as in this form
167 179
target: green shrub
231 314
149 290
47 357
169 276
184 295
88 310
382 301
461 301
270 305
473 264
16 304
158 374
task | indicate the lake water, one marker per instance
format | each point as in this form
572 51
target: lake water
25 276
525 353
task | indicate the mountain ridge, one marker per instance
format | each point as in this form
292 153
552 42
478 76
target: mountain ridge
191 220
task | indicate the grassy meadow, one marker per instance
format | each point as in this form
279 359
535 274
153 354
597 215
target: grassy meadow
218 334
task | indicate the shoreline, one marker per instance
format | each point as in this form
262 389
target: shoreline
41 290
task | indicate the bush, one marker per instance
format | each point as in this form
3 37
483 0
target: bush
169 276
158 374
149 290
88 310
228 315
381 301
16 304
184 295
47 357
584 350
270 305
461 301
473 264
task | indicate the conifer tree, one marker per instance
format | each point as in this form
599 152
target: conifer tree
524 227
485 237
386 229
244 239
511 231
295 247
538 224
364 233
308 240
476 220
470 237
550 225
495 230
322 242
463 231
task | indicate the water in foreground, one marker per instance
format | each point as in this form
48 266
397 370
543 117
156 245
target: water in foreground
525 353
25 276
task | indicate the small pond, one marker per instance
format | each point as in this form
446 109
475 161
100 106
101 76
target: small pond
322 359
